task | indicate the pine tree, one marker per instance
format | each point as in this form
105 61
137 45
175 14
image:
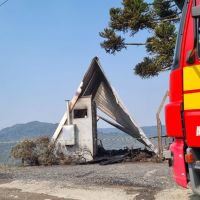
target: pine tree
159 18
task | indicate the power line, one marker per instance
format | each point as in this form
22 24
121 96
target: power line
4 3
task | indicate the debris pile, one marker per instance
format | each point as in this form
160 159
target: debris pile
106 157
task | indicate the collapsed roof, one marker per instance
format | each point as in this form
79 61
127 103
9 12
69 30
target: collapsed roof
96 84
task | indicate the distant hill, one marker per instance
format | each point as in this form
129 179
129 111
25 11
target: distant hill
28 130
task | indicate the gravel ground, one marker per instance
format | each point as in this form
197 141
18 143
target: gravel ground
141 180
147 174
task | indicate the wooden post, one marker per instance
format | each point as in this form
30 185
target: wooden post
159 136
159 124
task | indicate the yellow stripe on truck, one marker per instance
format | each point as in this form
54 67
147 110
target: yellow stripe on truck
191 78
192 101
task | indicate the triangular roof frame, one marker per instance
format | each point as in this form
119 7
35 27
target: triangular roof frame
107 100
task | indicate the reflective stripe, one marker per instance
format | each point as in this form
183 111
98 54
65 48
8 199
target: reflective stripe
191 78
192 101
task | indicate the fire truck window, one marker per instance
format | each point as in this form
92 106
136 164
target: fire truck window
177 54
80 113
198 36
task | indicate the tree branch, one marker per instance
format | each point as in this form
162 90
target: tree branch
170 17
135 43
165 19
168 20
152 4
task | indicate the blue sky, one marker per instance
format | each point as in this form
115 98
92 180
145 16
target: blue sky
45 49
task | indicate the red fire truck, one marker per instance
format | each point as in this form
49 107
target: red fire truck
182 113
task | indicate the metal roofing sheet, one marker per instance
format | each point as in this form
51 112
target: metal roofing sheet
96 84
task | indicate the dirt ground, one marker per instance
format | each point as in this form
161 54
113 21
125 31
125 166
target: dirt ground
124 181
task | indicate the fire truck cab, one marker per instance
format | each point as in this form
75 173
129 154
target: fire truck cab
182 113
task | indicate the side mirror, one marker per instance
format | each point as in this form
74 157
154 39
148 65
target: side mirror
190 58
196 11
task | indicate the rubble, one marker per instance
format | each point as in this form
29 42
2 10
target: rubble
106 157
